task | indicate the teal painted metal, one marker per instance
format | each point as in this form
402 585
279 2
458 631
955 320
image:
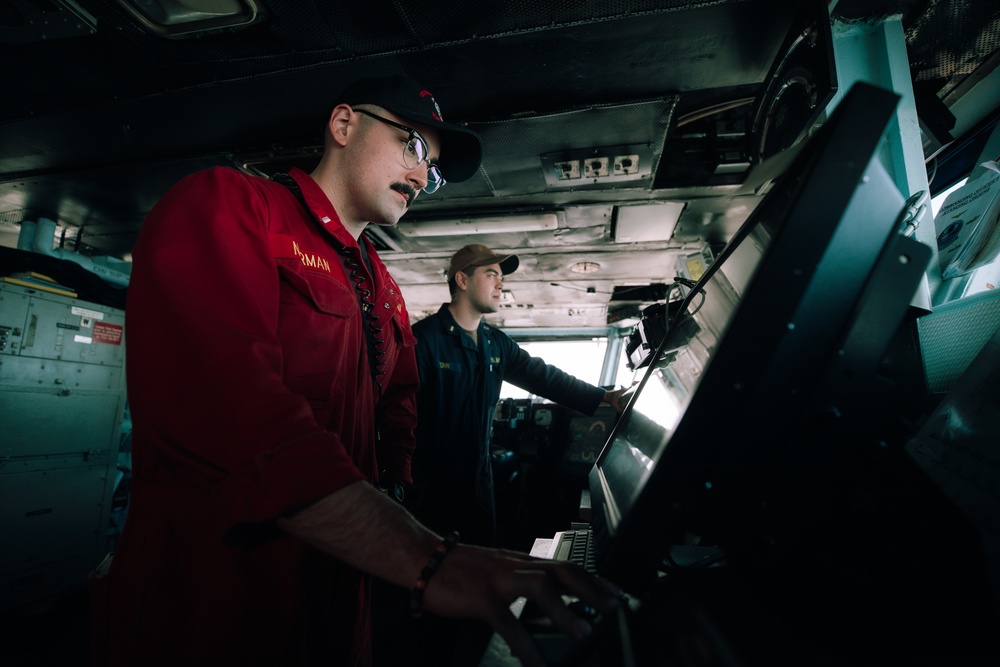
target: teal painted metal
875 53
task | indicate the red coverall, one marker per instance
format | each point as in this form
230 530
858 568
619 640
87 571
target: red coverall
251 397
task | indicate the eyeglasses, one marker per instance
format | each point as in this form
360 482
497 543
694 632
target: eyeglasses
414 152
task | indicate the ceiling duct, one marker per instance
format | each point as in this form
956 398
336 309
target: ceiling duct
521 152
176 19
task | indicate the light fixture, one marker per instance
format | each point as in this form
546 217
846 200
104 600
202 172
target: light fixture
193 18
585 267
646 222
497 224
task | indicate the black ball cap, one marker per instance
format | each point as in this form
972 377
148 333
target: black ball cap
461 149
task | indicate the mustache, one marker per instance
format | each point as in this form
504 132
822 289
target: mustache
405 189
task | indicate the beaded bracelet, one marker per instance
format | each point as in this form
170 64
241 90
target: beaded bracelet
440 551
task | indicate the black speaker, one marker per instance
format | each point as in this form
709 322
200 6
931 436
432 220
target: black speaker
799 85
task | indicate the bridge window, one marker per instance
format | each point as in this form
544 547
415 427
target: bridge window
581 358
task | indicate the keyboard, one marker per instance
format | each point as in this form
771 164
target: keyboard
575 546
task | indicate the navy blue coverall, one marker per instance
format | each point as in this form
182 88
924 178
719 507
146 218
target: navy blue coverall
459 389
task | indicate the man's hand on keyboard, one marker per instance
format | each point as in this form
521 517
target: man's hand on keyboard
474 582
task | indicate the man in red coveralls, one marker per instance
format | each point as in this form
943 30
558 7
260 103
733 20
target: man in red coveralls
271 381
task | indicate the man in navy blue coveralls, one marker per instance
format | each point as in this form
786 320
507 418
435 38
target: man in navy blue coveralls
462 362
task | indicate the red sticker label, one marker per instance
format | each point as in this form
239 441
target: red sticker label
109 334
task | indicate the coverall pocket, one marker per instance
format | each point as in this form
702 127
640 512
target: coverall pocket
326 294
320 331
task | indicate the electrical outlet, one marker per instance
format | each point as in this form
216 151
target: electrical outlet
595 167
567 171
626 164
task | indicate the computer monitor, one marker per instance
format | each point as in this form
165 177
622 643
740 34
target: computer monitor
777 337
